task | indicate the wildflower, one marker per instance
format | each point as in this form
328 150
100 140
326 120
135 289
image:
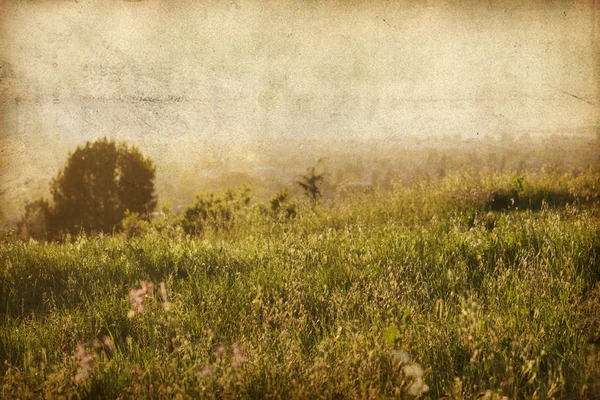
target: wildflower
417 388
148 287
162 290
137 296
108 343
219 352
402 356
413 371
85 363
238 356
206 371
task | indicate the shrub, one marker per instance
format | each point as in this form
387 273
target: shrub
216 210
282 206
134 225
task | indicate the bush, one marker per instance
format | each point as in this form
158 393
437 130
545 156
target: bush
282 206
216 210
133 225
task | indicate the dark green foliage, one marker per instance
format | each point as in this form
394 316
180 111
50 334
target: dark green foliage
99 183
282 206
502 199
522 196
85 192
311 184
134 225
216 210
34 223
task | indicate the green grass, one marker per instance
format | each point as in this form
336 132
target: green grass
346 300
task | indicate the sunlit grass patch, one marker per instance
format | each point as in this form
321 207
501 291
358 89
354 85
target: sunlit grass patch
413 292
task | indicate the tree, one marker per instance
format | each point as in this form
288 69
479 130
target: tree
35 222
99 183
312 182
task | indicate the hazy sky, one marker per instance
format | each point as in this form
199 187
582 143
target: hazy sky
170 72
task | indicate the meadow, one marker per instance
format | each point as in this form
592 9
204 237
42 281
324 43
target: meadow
471 284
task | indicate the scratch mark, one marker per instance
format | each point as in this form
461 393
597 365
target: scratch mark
574 96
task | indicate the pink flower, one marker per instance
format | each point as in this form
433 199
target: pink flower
219 351
108 342
238 356
85 363
206 371
137 296
162 290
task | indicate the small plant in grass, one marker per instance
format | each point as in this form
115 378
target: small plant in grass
311 183
282 206
217 211
134 225
87 356
145 294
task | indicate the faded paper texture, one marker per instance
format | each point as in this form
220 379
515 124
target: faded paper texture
257 87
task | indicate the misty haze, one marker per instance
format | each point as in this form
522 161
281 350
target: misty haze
212 91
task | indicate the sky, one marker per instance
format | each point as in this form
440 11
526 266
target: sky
182 74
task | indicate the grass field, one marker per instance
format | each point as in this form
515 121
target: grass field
427 290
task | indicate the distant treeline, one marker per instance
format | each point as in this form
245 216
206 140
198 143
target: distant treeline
108 187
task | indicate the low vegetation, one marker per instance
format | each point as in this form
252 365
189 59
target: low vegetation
472 284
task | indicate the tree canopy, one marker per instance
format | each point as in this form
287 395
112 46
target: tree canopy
98 184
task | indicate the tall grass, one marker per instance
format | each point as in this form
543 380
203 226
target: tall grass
417 291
